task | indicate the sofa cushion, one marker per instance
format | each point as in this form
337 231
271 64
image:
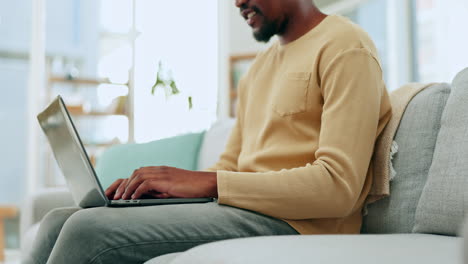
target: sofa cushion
164 259
444 200
416 138
120 161
359 249
214 143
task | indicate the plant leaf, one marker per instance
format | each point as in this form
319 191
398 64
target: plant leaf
159 80
190 102
173 86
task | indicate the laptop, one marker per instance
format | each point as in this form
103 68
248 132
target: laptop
75 165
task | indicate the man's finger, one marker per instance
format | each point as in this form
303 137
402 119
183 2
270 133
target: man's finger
120 190
133 184
162 196
134 174
111 189
144 188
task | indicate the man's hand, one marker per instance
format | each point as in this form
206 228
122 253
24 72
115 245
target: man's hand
164 182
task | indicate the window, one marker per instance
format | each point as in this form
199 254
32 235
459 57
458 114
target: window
372 17
418 40
390 25
184 40
123 42
440 40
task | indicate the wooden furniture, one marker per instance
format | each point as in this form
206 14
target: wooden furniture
238 66
5 213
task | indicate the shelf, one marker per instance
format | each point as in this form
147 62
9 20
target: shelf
93 117
101 145
96 114
83 81
77 111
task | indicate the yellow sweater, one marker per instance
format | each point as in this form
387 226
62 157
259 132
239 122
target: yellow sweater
308 115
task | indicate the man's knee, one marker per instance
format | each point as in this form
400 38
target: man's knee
84 225
97 235
55 219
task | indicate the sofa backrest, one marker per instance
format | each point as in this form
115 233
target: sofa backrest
429 193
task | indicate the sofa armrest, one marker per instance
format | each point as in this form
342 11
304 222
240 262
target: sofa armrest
38 205
49 199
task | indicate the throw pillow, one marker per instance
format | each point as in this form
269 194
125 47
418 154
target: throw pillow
214 143
120 161
416 138
444 201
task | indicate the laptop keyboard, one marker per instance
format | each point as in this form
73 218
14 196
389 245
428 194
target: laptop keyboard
125 201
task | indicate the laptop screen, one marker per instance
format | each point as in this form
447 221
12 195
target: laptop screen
71 155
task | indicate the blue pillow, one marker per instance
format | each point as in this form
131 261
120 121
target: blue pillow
120 161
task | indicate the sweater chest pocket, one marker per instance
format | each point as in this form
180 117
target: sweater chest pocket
291 93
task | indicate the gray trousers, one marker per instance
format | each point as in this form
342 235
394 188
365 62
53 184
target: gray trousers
137 234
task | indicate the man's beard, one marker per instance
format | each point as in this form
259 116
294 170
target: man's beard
268 30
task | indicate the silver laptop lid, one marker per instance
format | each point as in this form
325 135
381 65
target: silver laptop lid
71 155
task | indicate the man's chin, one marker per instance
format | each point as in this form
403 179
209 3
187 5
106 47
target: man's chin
264 32
261 37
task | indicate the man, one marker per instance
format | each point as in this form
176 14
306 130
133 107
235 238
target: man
297 161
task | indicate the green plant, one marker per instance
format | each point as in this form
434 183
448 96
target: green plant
165 81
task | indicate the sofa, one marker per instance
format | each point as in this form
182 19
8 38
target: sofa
420 222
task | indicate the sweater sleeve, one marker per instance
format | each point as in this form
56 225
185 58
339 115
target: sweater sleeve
330 187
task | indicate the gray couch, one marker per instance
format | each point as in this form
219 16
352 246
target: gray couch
418 223
421 222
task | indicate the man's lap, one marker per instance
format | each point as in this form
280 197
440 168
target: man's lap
136 234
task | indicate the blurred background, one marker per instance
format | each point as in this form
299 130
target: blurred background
105 56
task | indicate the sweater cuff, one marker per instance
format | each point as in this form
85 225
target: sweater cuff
223 186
